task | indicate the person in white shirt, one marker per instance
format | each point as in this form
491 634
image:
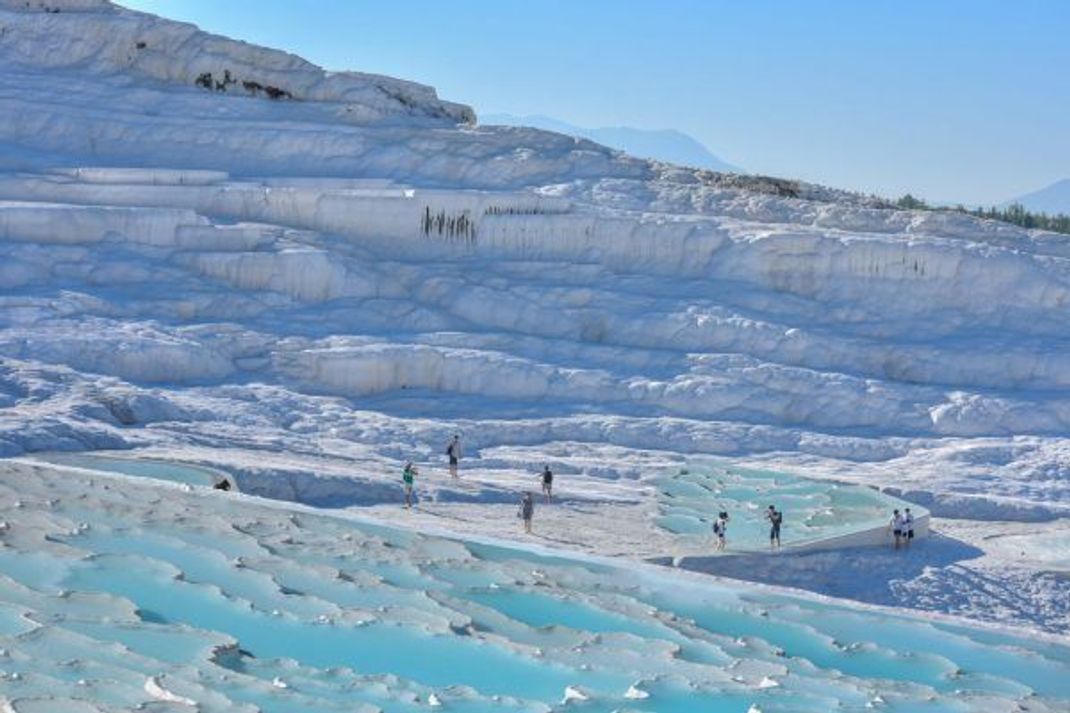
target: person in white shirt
896 526
720 528
908 527
453 450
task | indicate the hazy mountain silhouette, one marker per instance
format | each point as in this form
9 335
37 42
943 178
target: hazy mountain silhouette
664 145
1050 199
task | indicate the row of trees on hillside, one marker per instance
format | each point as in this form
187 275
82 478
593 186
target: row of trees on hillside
1014 213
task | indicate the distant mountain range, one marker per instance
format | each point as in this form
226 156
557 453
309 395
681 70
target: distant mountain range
1052 199
664 145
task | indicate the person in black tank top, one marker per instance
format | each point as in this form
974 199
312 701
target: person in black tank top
547 483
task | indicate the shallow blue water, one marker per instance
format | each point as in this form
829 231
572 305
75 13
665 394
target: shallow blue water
880 646
690 499
538 610
374 648
12 623
140 467
828 637
289 590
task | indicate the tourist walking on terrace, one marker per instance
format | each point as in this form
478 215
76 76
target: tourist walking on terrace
408 475
896 527
720 529
453 450
775 518
547 483
908 527
526 510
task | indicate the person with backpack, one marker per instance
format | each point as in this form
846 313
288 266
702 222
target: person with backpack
526 511
720 529
408 476
453 450
775 518
547 483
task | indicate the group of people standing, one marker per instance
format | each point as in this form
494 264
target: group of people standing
901 525
410 471
526 508
902 528
772 515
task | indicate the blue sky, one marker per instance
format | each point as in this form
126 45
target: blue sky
958 100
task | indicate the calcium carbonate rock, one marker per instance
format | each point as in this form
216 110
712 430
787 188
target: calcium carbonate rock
155 689
208 243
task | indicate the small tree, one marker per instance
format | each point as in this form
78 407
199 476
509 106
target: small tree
909 202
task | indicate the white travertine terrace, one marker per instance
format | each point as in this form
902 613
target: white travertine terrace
120 593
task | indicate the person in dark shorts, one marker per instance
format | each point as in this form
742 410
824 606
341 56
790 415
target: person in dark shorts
775 518
453 450
526 511
408 477
547 483
896 526
720 529
908 527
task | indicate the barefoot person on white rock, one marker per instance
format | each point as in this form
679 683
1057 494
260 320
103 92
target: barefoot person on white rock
453 452
547 478
775 518
526 510
908 527
895 525
408 476
720 530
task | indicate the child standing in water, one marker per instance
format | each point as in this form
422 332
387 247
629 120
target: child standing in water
408 476
526 511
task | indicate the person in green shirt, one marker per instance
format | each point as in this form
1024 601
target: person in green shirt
408 475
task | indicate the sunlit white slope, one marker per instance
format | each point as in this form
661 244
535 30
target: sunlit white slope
311 289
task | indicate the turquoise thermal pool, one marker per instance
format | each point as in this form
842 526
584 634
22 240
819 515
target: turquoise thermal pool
814 510
140 467
116 593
